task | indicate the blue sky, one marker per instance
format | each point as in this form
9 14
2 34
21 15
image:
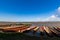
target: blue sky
27 10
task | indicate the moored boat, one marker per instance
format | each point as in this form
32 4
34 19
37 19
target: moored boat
57 28
35 29
41 29
55 32
29 29
48 31
14 29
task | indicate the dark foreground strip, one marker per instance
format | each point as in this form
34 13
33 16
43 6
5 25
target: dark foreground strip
22 36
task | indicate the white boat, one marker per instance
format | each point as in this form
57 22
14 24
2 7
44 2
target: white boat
35 29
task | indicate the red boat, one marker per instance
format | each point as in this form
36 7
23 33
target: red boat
13 29
41 29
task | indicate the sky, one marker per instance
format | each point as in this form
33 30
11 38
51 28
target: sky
29 10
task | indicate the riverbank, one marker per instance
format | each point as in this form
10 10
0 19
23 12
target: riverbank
17 36
22 36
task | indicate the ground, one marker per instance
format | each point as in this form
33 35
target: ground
22 36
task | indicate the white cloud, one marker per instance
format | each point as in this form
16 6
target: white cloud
55 17
58 9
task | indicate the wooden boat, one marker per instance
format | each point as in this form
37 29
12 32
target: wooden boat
48 31
35 29
14 29
29 29
42 30
22 30
32 27
57 28
55 32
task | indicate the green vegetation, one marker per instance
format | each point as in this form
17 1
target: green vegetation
27 24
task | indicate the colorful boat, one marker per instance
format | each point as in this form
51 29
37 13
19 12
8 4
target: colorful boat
55 32
48 31
57 28
29 29
35 29
14 29
41 29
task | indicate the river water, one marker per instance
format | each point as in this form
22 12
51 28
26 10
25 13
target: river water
48 24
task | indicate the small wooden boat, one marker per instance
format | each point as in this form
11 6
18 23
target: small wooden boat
55 32
32 27
48 31
57 28
23 30
42 30
35 29
29 29
14 29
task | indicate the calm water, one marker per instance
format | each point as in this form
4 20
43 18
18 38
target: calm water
50 24
33 34
47 24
